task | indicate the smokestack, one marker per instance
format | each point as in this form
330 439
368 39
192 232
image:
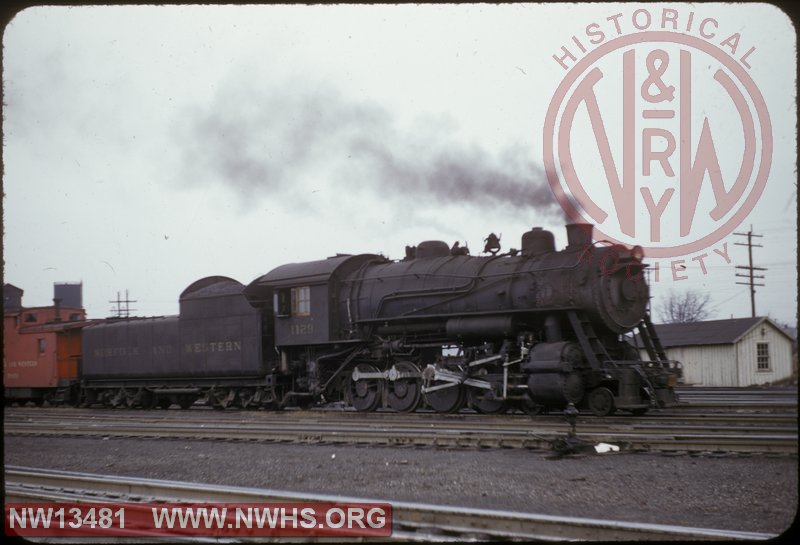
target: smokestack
579 235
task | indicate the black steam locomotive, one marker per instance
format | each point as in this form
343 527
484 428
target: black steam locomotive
529 329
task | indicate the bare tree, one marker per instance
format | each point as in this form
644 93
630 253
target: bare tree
685 307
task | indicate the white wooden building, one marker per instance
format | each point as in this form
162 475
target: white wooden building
736 352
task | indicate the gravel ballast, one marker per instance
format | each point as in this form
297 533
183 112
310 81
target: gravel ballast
755 493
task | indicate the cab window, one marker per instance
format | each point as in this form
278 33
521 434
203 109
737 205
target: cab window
280 303
301 301
292 302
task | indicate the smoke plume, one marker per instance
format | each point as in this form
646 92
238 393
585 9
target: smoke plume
263 141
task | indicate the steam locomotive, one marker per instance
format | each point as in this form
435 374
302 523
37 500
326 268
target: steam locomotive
530 329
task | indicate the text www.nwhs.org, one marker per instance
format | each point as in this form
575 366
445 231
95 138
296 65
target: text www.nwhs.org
309 519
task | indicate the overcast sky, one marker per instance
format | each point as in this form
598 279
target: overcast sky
147 147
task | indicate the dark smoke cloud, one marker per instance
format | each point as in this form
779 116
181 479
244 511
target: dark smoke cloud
262 142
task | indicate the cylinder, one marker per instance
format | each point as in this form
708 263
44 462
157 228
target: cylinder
564 356
556 389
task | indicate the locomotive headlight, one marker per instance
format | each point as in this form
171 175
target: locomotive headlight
637 252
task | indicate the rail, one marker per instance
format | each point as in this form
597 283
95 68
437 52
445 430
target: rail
633 434
410 521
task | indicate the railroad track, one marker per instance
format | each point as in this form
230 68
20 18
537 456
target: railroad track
455 431
670 422
410 521
738 398
745 391
206 414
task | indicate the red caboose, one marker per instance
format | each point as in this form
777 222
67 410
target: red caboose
41 349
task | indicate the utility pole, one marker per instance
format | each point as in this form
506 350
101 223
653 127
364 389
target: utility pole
750 268
122 312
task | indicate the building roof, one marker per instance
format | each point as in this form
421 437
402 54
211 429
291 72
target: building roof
56 326
710 332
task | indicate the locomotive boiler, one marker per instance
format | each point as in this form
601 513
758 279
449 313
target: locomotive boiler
533 328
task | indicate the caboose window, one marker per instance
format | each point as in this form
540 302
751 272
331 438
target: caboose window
41 346
31 318
301 301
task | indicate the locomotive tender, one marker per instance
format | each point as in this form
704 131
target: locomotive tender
212 349
531 329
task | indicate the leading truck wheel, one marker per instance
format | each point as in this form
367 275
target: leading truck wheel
601 402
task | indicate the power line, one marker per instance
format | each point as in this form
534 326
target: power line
750 268
737 294
120 310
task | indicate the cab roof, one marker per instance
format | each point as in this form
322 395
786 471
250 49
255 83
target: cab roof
307 274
